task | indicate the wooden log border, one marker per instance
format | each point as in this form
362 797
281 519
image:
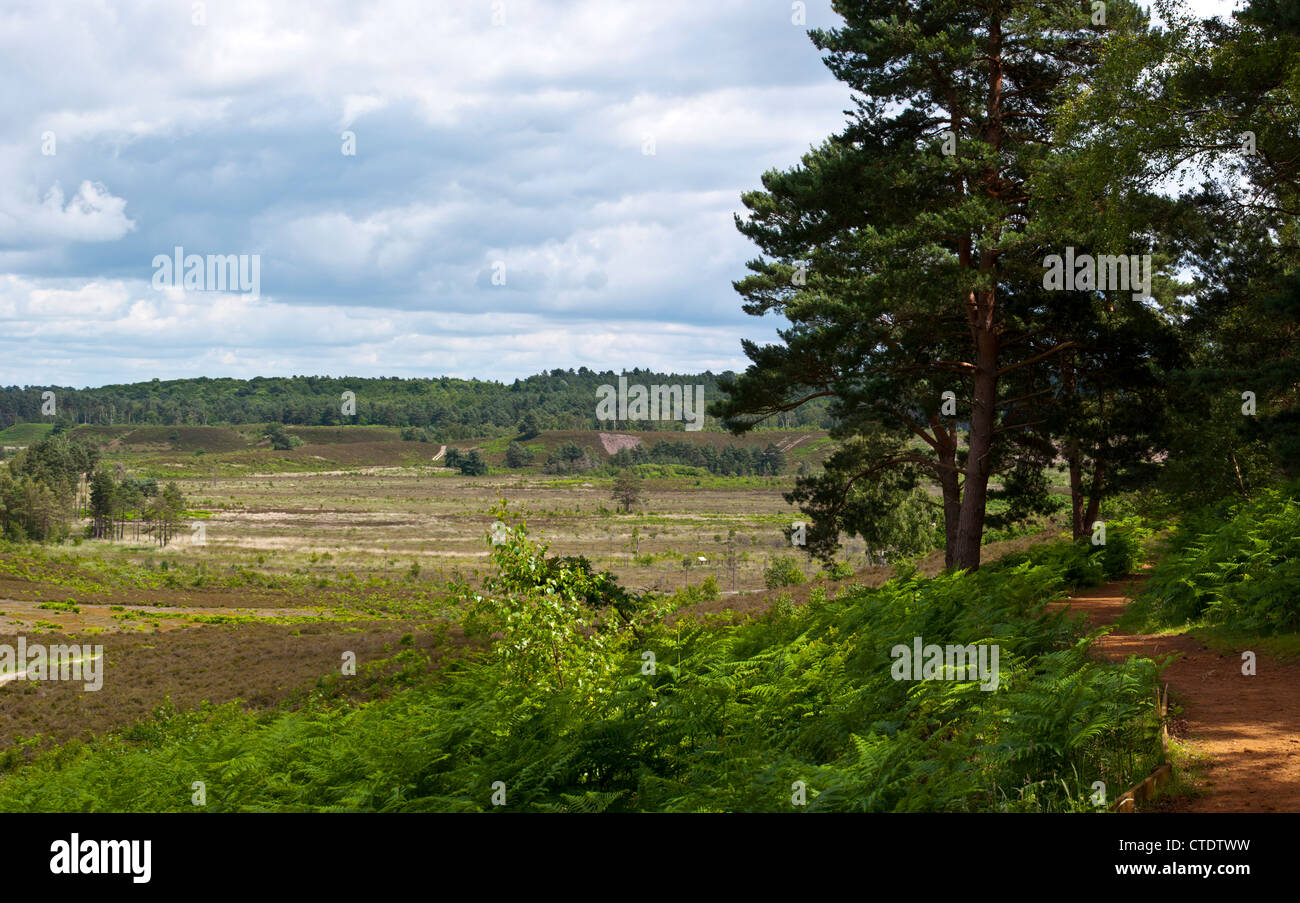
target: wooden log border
1145 790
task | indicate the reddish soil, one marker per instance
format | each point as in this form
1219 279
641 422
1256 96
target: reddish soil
616 442
1249 726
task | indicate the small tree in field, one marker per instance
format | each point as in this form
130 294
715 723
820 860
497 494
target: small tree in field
518 455
783 571
530 427
627 490
549 617
165 513
473 465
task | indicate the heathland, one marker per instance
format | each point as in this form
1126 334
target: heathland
347 622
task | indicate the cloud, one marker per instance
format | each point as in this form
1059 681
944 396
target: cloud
92 214
476 142
104 332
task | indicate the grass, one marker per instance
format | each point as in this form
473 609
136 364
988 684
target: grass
1190 768
25 433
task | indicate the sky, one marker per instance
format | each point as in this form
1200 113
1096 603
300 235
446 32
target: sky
486 188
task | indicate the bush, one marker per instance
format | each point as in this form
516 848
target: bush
473 465
1235 565
569 458
783 571
281 439
1080 563
839 570
518 455
1122 554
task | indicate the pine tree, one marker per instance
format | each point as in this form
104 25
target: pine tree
518 455
904 250
473 465
102 504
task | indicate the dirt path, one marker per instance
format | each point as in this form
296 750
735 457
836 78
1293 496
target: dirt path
1248 726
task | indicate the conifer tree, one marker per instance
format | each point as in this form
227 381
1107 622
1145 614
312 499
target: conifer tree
905 250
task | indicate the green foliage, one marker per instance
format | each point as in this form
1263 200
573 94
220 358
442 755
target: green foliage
627 490
280 438
518 455
889 511
530 427
472 464
38 487
784 570
1082 564
573 713
546 615
1235 566
70 607
454 409
839 570
570 457
1122 554
730 460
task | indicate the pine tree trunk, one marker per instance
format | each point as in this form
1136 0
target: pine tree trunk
1073 454
979 459
1098 490
981 312
950 482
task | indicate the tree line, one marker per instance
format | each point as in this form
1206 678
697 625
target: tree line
451 409
570 458
730 460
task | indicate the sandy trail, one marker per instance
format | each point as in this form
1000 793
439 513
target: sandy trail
1248 725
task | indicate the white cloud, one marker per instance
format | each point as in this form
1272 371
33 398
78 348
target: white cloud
117 331
93 214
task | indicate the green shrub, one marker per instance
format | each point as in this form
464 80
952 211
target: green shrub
1082 564
1236 566
1078 563
1122 554
783 571
840 570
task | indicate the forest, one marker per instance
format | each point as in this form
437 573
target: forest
57 480
449 408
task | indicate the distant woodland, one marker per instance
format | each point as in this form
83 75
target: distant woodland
453 408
